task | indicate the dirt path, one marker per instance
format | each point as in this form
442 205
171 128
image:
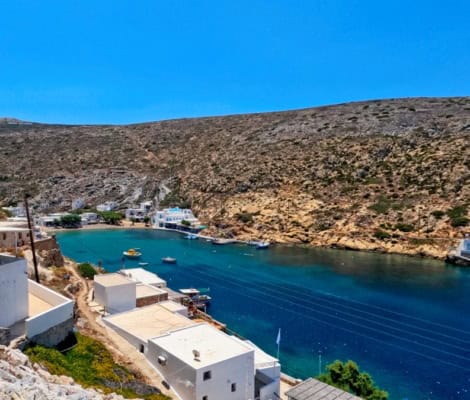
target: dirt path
123 352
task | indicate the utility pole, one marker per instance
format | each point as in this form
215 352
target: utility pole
31 238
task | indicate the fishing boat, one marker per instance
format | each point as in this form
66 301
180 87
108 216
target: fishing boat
191 236
262 245
195 297
143 264
169 260
132 253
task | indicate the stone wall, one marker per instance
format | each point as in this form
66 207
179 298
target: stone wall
4 336
146 301
54 335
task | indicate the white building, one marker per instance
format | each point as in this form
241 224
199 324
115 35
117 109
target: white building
172 217
12 235
115 292
144 276
136 214
30 308
107 206
18 211
89 218
77 204
200 362
140 325
50 219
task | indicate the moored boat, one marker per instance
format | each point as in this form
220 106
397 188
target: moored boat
169 260
262 245
132 253
191 236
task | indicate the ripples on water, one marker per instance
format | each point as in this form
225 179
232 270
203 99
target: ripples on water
405 320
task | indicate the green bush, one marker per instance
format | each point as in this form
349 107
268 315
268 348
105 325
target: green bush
379 234
245 217
459 221
90 364
457 216
404 227
348 377
70 220
438 214
86 270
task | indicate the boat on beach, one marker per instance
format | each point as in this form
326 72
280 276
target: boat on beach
169 260
132 253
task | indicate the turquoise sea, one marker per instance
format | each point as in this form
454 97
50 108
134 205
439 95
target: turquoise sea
404 320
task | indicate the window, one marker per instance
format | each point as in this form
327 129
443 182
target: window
206 376
205 397
234 387
141 348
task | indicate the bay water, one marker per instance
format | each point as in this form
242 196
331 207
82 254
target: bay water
404 320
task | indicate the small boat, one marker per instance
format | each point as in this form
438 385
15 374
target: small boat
143 264
132 253
169 260
262 245
191 236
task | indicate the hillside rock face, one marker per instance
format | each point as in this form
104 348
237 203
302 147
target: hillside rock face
377 175
19 379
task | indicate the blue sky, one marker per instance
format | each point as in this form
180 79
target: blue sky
112 61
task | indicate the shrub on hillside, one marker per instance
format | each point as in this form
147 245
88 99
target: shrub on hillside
86 270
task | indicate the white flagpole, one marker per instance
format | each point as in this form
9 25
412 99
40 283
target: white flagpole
278 342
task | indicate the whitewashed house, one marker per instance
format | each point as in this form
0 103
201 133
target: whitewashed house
18 211
139 213
200 362
171 218
115 292
89 218
44 316
144 276
78 203
107 206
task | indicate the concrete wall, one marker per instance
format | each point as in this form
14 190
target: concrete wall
146 301
13 291
46 244
117 298
62 310
54 335
239 370
8 239
180 376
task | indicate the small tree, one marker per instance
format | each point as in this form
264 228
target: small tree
86 270
348 377
110 217
185 223
70 220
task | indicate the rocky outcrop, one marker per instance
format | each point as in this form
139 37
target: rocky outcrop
382 175
19 379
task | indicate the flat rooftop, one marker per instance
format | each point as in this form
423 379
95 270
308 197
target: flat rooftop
212 345
148 322
142 275
172 306
313 389
147 291
113 279
37 305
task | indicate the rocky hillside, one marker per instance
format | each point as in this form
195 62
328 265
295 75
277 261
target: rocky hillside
19 379
390 175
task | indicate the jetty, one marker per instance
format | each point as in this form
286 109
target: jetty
461 254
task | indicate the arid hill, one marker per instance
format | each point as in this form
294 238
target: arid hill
388 175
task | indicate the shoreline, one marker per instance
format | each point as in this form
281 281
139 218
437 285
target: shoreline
129 225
